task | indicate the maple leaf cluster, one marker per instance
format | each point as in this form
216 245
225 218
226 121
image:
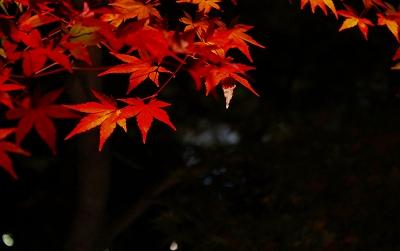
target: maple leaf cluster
42 37
385 15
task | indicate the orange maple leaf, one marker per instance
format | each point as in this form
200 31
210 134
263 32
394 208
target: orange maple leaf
140 36
204 5
391 23
369 3
352 19
5 161
234 37
216 74
199 24
141 69
321 4
105 113
145 113
131 9
391 19
37 113
395 57
226 73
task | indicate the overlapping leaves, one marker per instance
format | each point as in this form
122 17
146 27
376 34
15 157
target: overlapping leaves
141 69
44 37
108 115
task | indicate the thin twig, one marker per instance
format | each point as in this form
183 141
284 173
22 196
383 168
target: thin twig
168 80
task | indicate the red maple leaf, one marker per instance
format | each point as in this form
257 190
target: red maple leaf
235 37
141 36
145 113
352 19
5 146
105 113
37 113
34 59
141 69
78 51
226 73
32 38
5 98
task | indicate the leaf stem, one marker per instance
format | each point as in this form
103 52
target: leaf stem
45 68
78 68
91 68
168 80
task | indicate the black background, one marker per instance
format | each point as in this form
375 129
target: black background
313 163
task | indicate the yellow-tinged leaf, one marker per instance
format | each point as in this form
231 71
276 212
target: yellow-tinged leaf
234 38
396 67
131 9
106 114
200 25
369 3
321 4
141 70
204 5
348 23
390 23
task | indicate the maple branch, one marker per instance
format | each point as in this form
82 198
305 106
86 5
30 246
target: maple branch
91 68
16 12
62 20
168 80
78 68
376 7
54 32
37 75
107 46
13 81
45 68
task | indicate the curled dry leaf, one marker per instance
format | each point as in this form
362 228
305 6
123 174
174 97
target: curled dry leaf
227 86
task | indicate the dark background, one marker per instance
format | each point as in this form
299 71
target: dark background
312 164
